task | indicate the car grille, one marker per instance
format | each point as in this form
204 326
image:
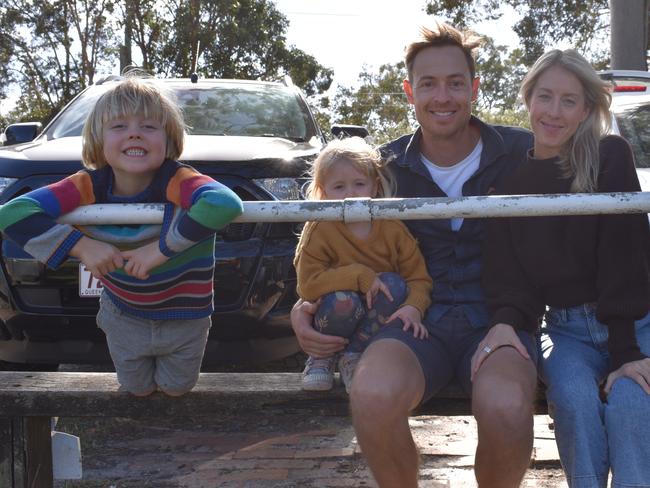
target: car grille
236 231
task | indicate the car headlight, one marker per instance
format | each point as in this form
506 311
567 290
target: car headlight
6 183
283 188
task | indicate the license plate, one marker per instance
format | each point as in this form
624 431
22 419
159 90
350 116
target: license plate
88 285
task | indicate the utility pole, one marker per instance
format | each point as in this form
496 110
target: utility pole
629 33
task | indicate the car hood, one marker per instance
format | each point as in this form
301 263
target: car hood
259 157
197 148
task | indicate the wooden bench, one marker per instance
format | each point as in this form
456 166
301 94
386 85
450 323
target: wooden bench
29 400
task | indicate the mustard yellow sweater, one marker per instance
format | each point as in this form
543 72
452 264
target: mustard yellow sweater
331 258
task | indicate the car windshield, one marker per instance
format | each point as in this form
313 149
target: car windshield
219 108
633 121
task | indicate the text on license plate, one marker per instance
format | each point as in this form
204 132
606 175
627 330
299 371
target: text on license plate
88 285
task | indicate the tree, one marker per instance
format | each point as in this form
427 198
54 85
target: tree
542 23
378 103
583 24
500 73
222 39
53 50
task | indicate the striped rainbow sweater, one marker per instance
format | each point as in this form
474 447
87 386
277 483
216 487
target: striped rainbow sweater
197 206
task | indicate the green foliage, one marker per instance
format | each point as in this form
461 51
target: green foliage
542 23
52 49
378 103
514 117
500 74
322 117
235 39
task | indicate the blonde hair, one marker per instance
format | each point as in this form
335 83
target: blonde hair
357 152
440 34
132 96
579 159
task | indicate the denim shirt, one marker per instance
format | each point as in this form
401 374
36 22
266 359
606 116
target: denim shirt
454 258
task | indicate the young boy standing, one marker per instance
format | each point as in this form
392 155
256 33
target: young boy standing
157 281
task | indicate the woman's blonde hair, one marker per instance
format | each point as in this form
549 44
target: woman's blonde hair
132 96
579 159
357 152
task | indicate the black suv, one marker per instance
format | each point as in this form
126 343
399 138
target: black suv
255 137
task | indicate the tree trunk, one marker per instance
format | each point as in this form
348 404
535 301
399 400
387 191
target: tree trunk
125 50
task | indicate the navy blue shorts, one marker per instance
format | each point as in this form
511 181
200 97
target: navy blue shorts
447 353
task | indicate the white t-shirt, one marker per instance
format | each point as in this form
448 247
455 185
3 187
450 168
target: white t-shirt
451 179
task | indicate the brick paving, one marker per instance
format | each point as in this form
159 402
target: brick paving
283 451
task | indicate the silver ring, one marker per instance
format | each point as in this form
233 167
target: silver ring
487 349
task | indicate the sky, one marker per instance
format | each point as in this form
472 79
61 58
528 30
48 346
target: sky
346 34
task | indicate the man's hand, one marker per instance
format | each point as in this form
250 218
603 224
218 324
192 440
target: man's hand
639 371
143 259
412 319
376 287
498 336
312 342
99 257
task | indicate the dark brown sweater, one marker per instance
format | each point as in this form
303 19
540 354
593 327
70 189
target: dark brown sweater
531 262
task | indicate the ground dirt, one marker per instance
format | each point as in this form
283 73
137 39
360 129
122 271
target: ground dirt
282 451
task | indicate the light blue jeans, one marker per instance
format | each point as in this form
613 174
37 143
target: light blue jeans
593 435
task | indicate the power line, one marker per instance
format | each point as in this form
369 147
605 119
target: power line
327 14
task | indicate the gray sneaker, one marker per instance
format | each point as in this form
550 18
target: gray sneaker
318 374
347 364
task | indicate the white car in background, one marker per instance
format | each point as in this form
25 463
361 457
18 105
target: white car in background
631 110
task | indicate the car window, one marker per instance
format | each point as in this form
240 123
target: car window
217 109
71 120
243 111
634 125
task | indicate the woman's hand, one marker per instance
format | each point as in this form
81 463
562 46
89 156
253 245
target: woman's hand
311 341
638 370
100 258
498 336
412 319
375 288
143 259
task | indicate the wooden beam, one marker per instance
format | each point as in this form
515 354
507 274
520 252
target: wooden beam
52 394
6 453
38 452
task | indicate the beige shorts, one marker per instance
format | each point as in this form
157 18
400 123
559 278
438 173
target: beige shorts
153 354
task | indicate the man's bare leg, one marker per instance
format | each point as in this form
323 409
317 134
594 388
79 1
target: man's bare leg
502 402
388 385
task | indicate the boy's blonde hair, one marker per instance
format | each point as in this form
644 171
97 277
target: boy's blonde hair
132 96
439 34
361 155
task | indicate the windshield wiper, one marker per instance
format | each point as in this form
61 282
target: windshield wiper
288 138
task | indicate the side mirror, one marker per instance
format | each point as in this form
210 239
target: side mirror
345 130
21 132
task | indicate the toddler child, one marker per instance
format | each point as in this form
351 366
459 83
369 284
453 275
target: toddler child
364 274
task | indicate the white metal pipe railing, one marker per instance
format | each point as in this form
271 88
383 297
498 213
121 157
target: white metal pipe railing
365 209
